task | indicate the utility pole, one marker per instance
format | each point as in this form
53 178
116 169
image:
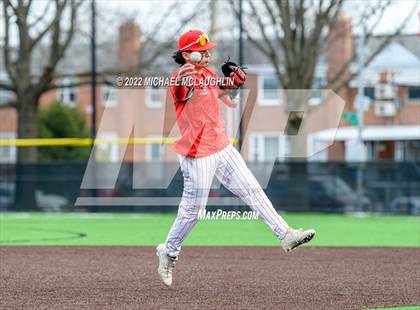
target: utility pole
93 69
93 89
241 61
360 106
360 87
214 8
241 32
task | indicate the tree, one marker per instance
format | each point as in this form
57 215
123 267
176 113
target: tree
28 84
24 82
298 30
50 125
33 32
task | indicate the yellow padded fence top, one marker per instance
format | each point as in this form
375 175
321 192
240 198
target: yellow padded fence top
87 141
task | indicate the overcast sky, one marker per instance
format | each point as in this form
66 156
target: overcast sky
148 14
391 19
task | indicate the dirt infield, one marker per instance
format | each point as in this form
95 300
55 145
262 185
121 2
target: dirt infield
209 278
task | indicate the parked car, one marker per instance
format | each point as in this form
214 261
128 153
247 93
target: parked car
325 194
332 192
7 195
50 202
406 205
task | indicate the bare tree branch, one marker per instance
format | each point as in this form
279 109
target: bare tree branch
302 38
260 46
287 42
159 25
27 87
28 6
147 62
272 51
270 11
311 50
370 57
6 48
57 48
333 36
380 10
340 34
41 16
11 6
74 7
42 33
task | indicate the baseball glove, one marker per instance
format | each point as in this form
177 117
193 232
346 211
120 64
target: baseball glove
235 72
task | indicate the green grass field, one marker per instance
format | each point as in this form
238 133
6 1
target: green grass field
151 229
398 308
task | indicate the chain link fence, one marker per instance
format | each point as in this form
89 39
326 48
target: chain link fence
386 187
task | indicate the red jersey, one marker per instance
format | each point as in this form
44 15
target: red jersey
203 131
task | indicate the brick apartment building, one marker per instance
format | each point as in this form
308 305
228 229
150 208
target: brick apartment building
391 81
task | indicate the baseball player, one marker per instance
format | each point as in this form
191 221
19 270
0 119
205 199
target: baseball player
204 151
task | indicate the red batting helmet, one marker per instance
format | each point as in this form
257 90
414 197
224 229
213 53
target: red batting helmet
195 40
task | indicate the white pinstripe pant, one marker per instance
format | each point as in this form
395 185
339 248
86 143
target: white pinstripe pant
231 170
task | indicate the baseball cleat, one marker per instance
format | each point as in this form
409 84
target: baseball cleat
166 265
296 237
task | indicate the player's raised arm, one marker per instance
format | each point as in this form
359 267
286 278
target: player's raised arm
181 91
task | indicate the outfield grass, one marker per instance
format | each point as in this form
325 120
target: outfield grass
397 308
151 229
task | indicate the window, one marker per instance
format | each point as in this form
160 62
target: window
109 150
5 96
7 153
271 147
154 97
414 93
269 90
319 82
155 151
369 92
67 95
266 147
409 150
317 96
109 96
318 149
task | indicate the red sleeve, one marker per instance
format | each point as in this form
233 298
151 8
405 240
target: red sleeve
179 92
